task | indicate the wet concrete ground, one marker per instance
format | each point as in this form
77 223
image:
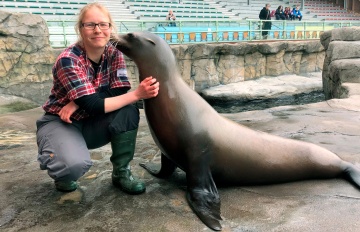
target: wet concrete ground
29 201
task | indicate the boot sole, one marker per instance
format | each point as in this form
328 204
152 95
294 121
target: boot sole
127 191
66 190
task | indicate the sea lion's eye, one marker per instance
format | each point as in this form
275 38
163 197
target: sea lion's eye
131 35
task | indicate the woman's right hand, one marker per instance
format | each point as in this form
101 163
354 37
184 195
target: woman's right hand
66 112
148 88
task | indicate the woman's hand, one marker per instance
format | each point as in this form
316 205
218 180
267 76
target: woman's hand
66 112
148 88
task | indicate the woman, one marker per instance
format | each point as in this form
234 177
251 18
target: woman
90 106
279 13
171 17
287 13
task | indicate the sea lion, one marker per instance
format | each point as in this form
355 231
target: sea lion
211 148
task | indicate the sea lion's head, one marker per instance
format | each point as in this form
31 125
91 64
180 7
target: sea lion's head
152 55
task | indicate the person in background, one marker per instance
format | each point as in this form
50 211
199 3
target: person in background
279 14
265 15
171 17
296 13
90 106
287 13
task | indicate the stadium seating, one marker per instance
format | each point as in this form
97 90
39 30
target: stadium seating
323 10
48 9
118 10
188 9
61 9
204 20
315 10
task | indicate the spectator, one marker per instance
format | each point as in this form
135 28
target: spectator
279 14
296 13
272 14
265 15
287 13
171 17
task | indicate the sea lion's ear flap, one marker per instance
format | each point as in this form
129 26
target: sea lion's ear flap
150 41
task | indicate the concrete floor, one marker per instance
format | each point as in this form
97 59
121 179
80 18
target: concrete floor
29 201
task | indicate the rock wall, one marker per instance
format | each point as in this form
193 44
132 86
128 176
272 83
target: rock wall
26 56
342 61
207 65
26 59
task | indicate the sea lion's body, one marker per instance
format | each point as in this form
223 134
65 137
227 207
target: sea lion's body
207 146
237 154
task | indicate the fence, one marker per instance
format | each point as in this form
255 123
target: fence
62 33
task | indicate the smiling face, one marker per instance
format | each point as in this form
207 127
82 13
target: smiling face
95 38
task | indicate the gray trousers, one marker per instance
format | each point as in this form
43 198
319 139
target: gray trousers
63 148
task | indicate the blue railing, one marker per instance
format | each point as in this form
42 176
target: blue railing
62 33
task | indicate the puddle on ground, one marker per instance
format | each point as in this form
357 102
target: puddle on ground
72 197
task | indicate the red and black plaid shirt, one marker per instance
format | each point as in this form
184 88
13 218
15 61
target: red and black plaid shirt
75 77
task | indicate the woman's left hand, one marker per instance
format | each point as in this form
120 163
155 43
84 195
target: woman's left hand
66 112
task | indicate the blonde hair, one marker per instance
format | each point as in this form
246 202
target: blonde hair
81 15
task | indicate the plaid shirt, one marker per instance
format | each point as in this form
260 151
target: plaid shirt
75 77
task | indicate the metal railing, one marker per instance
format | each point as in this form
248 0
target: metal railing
62 33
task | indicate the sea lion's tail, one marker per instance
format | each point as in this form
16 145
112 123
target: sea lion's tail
352 171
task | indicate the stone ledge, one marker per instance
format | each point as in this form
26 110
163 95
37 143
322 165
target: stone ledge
342 61
265 88
340 34
350 90
348 70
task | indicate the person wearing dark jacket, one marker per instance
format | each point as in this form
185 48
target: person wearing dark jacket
265 15
279 14
288 13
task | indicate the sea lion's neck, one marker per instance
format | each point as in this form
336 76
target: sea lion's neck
161 73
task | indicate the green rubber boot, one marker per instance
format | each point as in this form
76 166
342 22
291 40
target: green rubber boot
123 148
66 186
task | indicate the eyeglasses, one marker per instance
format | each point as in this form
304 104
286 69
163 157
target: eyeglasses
91 26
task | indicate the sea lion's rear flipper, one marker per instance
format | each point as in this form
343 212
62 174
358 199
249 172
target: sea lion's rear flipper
165 170
353 173
202 195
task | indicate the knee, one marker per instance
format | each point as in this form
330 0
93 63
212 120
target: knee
66 171
78 169
127 118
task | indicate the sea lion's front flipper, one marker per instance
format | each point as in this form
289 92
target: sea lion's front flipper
202 195
165 170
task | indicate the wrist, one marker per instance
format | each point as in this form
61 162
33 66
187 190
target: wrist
136 95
